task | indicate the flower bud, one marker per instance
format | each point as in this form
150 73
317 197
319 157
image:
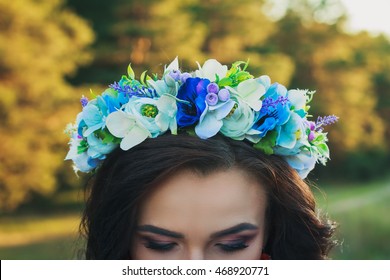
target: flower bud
224 95
311 136
213 88
184 77
212 99
175 74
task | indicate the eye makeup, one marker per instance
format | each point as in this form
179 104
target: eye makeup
156 245
228 241
235 244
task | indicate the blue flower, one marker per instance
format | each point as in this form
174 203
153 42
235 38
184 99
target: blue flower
274 112
291 136
303 162
97 149
193 93
111 100
92 117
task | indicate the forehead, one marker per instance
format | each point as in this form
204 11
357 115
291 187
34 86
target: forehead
192 203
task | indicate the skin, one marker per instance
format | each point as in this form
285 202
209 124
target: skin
193 216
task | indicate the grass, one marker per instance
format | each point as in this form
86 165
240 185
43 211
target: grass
59 248
361 210
37 237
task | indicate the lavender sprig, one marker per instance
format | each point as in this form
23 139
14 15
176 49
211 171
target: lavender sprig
324 121
128 90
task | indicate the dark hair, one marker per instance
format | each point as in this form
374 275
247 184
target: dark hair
126 177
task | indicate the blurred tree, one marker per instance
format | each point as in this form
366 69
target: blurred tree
40 43
151 33
350 74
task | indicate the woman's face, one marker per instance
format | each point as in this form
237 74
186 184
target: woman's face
193 216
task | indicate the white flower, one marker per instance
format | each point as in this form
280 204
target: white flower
297 98
210 122
265 81
156 115
127 127
166 117
210 69
250 92
144 110
237 125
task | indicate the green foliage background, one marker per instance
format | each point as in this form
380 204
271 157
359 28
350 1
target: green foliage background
52 52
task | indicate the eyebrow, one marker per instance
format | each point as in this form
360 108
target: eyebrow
232 230
160 231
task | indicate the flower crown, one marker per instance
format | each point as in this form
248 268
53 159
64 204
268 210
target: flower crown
210 100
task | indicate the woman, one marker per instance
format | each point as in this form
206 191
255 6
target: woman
225 183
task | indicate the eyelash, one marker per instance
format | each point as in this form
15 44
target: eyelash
232 247
162 247
226 248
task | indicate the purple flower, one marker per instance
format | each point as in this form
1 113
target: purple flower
193 92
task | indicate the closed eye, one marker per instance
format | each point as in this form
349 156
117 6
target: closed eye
232 247
159 246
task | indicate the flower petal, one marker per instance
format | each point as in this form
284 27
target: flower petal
250 91
208 127
210 69
222 110
119 123
136 135
174 65
297 98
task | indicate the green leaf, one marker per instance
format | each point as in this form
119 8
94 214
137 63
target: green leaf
267 143
143 78
92 94
246 65
83 147
242 76
238 63
225 82
323 149
320 138
130 72
107 137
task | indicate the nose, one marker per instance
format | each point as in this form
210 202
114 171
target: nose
195 254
